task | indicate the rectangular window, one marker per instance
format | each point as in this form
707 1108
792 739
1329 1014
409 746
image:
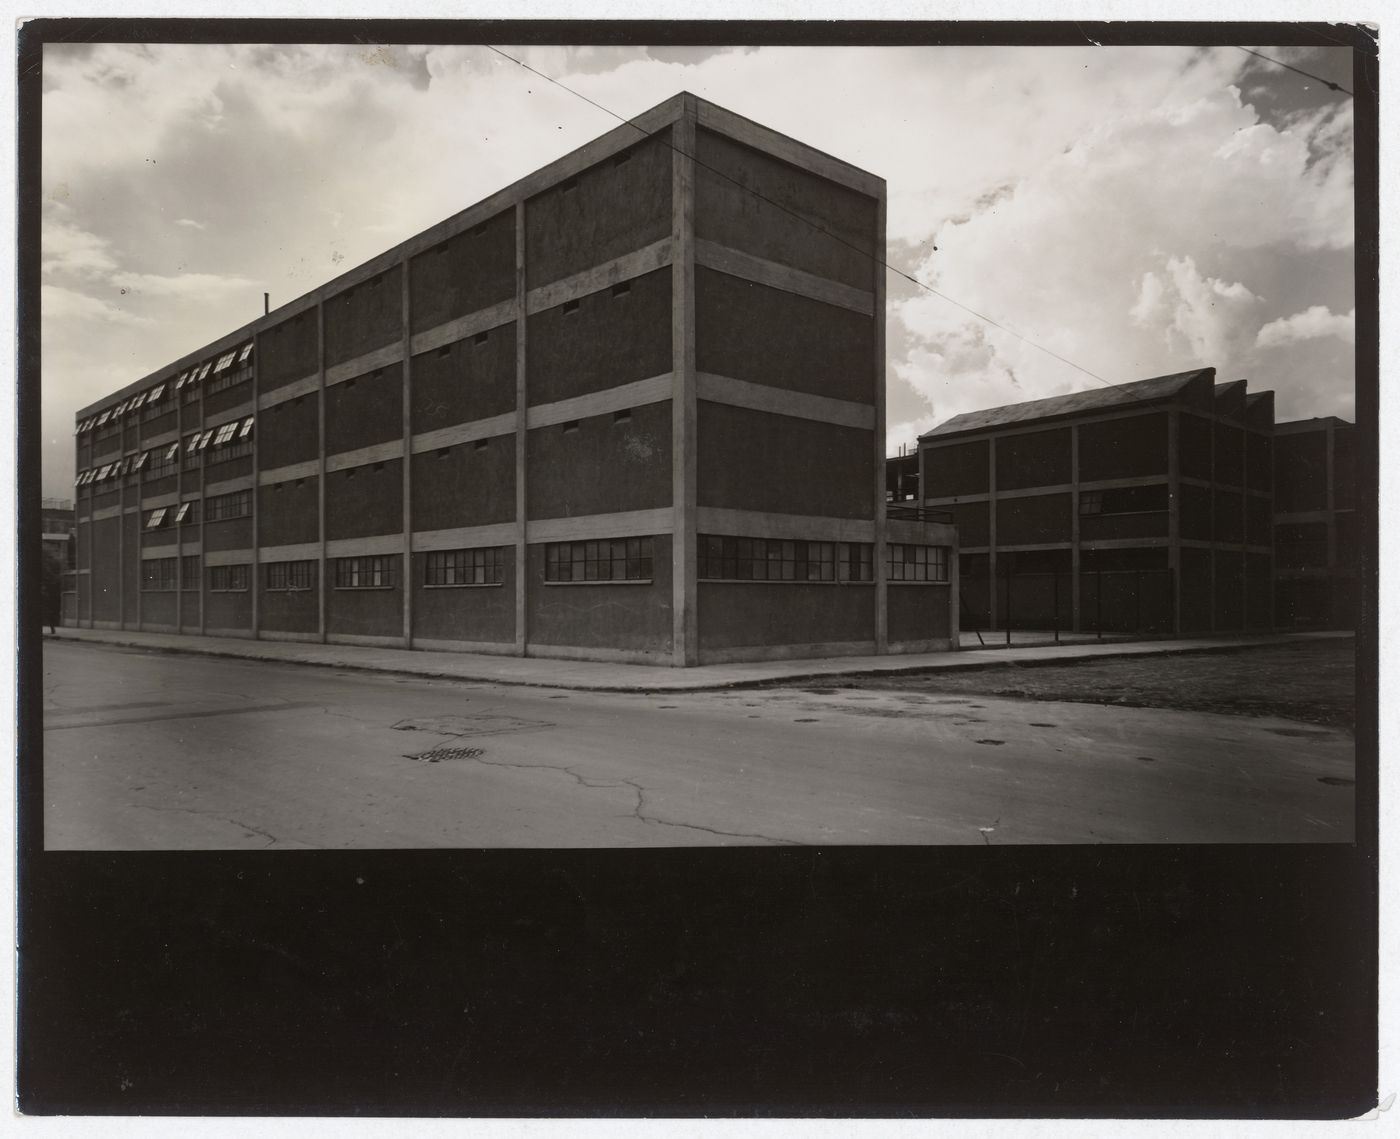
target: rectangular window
916 563
155 518
225 360
239 504
161 462
1124 500
191 460
244 355
224 433
857 561
607 559
365 572
158 575
189 572
464 567
228 579
187 513
726 558
291 575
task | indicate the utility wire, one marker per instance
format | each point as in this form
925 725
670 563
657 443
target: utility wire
803 218
1279 63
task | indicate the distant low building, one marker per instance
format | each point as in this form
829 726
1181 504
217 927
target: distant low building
1143 507
1315 575
59 525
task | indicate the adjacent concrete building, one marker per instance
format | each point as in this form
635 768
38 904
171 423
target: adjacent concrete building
1142 507
630 407
1315 545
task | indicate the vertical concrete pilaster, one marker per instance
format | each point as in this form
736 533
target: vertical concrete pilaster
255 570
1074 612
992 598
684 570
203 548
407 481
522 438
321 567
1173 513
882 593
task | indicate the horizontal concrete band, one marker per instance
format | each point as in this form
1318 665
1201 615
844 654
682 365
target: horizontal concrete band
296 552
228 557
626 524
305 386
464 433
648 259
229 486
795 153
356 547
761 524
466 537
483 320
636 394
369 362
164 439
781 401
229 414
377 453
155 553
776 275
306 470
155 501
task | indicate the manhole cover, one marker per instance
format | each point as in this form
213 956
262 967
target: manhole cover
481 725
439 754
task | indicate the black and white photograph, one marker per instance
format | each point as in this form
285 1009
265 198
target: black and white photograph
802 569
497 446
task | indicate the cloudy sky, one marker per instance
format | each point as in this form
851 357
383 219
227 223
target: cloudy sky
1136 211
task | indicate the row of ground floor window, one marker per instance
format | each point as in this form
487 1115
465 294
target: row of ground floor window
1132 590
606 597
721 558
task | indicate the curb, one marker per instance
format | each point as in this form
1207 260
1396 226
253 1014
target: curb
1127 649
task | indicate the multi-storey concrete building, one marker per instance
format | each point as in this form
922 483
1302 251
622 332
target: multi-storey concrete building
1315 571
630 407
1142 507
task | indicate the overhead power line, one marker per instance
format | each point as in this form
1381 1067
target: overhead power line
806 220
1279 63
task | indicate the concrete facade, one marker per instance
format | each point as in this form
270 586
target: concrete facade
628 408
1146 507
1315 541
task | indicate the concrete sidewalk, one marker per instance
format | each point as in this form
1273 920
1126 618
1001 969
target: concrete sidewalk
601 676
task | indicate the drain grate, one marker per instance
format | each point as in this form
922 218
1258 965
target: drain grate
438 754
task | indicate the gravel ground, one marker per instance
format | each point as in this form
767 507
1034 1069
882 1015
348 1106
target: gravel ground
1311 681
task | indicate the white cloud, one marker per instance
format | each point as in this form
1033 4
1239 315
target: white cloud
190 223
1310 324
60 304
187 286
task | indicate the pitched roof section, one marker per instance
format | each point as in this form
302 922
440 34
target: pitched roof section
1079 403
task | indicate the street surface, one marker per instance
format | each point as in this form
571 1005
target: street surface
154 751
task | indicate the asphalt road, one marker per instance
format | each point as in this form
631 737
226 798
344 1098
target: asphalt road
152 751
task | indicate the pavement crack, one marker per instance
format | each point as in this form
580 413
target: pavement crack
271 838
639 811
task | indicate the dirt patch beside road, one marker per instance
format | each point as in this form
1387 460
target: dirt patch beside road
1311 681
